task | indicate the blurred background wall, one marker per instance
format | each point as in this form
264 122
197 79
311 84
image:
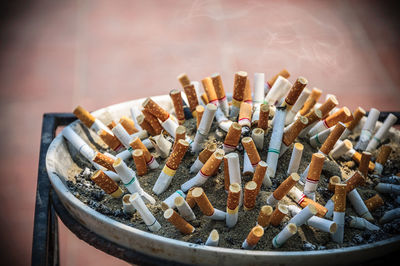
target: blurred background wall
57 54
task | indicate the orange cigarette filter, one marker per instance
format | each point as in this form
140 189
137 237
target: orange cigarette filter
294 130
374 202
177 154
206 153
251 150
286 186
180 133
343 115
233 196
191 95
284 73
332 182
155 109
264 217
136 143
247 92
245 112
209 89
311 101
177 101
111 125
259 174
202 201
277 216
199 114
250 195
86 118
233 136
354 181
296 90
212 164
255 234
321 210
357 115
110 140
328 105
145 125
313 116
140 162
357 158
340 198
190 199
128 125
333 137
174 218
264 116
104 161
218 86
204 98
107 184
317 162
384 154
364 163
226 174
183 79
238 88
153 121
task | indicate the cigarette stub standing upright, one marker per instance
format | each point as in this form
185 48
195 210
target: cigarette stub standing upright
191 95
292 132
250 195
257 135
311 101
278 90
295 159
297 106
283 189
169 202
232 205
264 117
358 114
314 173
259 174
177 101
204 127
213 238
144 212
220 91
238 93
264 217
205 206
232 137
234 171
253 237
245 116
284 235
382 132
136 143
203 157
170 167
339 212
210 91
367 130
382 158
251 150
270 83
258 98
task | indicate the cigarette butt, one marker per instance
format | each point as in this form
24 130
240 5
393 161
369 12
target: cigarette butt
374 202
264 116
191 95
84 116
354 181
294 130
247 93
177 154
218 86
328 105
259 174
145 125
199 114
245 114
140 162
384 154
279 213
204 98
295 158
233 136
104 161
284 73
333 137
296 90
321 210
209 90
155 109
314 116
286 186
213 238
212 164
176 98
183 79
128 124
110 140
317 162
238 88
180 133
364 163
153 121
340 198
190 199
254 236
233 196
251 150
202 201
174 218
136 143
111 125
357 115
264 217
357 158
311 101
184 209
342 115
332 182
206 153
250 195
226 174
107 184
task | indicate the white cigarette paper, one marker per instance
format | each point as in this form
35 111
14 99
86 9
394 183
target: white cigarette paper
324 225
127 205
295 159
388 188
390 216
145 213
213 239
304 215
341 148
258 137
380 135
359 205
184 209
204 127
223 122
259 80
284 235
247 166
367 130
170 126
170 201
234 172
297 106
161 145
122 135
361 223
196 166
338 218
134 113
318 139
280 88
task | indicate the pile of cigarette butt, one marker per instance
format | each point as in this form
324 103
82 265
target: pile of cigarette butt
290 113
